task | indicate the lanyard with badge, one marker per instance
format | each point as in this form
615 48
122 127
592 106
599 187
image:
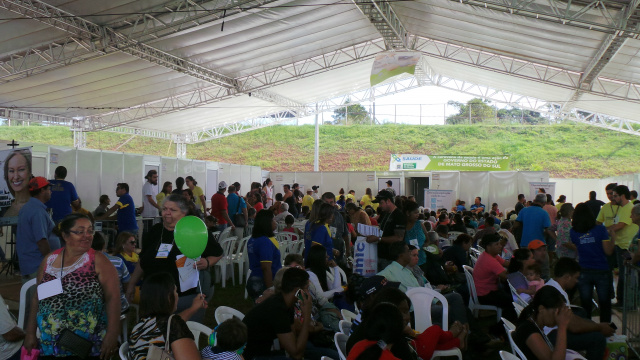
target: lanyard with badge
616 219
163 249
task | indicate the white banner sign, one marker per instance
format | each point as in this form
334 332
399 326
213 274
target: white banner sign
439 199
534 188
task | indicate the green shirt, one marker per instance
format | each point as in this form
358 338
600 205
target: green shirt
398 273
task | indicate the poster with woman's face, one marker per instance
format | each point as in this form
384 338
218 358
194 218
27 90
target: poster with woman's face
14 185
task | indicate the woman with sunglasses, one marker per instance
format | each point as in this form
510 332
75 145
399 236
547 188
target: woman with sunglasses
78 302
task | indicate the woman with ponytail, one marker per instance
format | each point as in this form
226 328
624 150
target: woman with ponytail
547 309
383 330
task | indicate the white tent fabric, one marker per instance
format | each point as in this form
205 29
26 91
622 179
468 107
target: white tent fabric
51 69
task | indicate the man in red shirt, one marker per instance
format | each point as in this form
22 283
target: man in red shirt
219 208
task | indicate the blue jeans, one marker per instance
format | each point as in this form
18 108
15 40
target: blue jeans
221 227
602 280
255 286
594 343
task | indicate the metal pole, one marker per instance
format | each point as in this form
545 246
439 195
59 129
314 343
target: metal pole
316 161
346 119
374 112
395 113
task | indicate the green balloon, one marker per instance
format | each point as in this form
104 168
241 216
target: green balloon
190 235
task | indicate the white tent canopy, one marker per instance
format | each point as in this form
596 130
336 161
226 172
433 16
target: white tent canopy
192 70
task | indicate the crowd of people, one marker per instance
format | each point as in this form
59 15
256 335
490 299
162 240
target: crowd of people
545 251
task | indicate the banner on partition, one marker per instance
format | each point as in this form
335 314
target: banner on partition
439 199
17 177
389 64
400 162
534 188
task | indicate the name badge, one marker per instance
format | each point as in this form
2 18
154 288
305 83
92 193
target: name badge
49 289
163 251
616 219
333 230
414 242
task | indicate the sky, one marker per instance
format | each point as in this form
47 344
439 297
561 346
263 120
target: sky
405 106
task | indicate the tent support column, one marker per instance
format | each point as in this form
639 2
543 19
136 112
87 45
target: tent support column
181 150
316 155
79 139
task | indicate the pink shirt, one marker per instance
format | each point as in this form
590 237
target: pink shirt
553 212
485 273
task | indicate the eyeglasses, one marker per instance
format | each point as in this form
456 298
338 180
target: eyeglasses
87 232
132 242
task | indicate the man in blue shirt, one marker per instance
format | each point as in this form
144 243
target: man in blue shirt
478 207
126 210
535 222
237 206
34 237
63 195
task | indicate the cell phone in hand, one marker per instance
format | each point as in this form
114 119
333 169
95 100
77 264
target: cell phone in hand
613 326
300 294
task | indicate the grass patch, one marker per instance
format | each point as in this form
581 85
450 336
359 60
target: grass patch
565 150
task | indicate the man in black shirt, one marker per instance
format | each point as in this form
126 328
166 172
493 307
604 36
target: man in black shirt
520 203
393 225
273 319
594 204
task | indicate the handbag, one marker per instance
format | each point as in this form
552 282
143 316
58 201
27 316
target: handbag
70 341
238 220
74 343
157 353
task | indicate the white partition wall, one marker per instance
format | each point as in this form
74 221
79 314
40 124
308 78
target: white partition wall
472 184
503 189
89 184
133 173
112 174
360 181
168 171
63 157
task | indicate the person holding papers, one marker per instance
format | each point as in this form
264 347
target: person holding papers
160 253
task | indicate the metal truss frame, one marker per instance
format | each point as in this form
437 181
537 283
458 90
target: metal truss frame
598 15
388 24
610 88
297 108
250 83
608 49
79 139
88 40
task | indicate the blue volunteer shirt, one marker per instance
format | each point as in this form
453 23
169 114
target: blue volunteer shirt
34 224
534 220
63 193
261 250
127 214
474 207
590 252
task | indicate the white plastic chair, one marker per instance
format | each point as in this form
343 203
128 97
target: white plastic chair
505 355
343 276
225 262
240 258
508 325
515 347
281 226
348 315
224 313
124 351
197 329
422 298
340 340
474 304
224 235
284 236
24 302
345 327
474 260
246 293
516 297
248 230
518 307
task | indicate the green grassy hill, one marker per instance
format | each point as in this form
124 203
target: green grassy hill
568 150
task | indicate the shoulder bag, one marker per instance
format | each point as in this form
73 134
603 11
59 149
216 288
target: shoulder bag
157 353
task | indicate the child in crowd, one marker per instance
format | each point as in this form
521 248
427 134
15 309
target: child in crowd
532 273
227 341
288 221
252 215
211 222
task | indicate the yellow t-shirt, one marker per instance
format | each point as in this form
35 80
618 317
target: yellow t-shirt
197 193
308 200
160 197
612 214
559 205
366 201
352 197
